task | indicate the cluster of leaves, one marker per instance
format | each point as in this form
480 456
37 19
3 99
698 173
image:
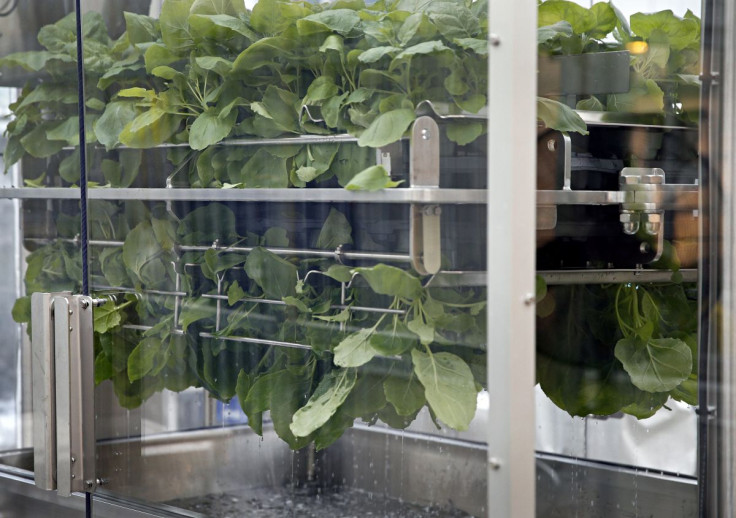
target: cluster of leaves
428 350
665 54
210 70
625 348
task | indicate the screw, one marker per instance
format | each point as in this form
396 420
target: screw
494 463
84 304
552 144
71 329
529 299
74 476
71 311
73 459
495 39
425 134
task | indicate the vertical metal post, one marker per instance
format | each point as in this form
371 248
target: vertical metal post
44 391
511 256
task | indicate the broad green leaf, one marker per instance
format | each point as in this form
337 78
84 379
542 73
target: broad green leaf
333 42
320 89
275 276
142 358
34 60
464 133
158 55
658 365
339 272
115 117
424 331
374 178
330 394
387 128
66 131
234 293
220 27
141 28
194 310
355 349
591 104
478 46
274 16
549 32
37 144
679 33
151 128
341 21
288 394
581 19
426 47
416 27
210 128
449 387
175 26
335 231
103 368
453 20
375 53
557 116
392 339
605 20
21 311
389 280
366 398
405 393
262 53
643 98
263 170
646 404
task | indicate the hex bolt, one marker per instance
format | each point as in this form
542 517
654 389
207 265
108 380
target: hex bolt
630 222
652 223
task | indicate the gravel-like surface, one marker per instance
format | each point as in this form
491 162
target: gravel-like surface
285 502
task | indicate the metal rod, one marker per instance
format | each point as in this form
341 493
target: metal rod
400 195
300 140
260 341
362 309
559 277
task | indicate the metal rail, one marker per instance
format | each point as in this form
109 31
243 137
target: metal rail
393 196
618 276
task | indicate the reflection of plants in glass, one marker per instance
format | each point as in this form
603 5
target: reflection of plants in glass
664 48
428 349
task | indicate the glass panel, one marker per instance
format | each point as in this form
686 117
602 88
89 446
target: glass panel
617 257
40 249
284 331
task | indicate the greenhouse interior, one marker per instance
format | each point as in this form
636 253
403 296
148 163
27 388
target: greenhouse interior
204 317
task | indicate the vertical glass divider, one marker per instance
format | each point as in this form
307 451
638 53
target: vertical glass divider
511 256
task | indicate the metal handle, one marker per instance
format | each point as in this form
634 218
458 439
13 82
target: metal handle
44 391
425 247
63 392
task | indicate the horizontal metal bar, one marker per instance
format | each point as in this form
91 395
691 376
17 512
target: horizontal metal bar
284 141
627 120
422 195
582 197
259 341
618 276
362 309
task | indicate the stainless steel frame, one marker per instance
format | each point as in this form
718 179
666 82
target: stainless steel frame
511 252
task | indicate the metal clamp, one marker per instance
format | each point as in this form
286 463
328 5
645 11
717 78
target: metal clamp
425 247
63 391
639 209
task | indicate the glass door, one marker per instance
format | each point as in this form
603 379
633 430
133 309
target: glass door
288 255
618 233
40 250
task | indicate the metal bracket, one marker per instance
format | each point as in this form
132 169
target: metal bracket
638 207
425 247
63 392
